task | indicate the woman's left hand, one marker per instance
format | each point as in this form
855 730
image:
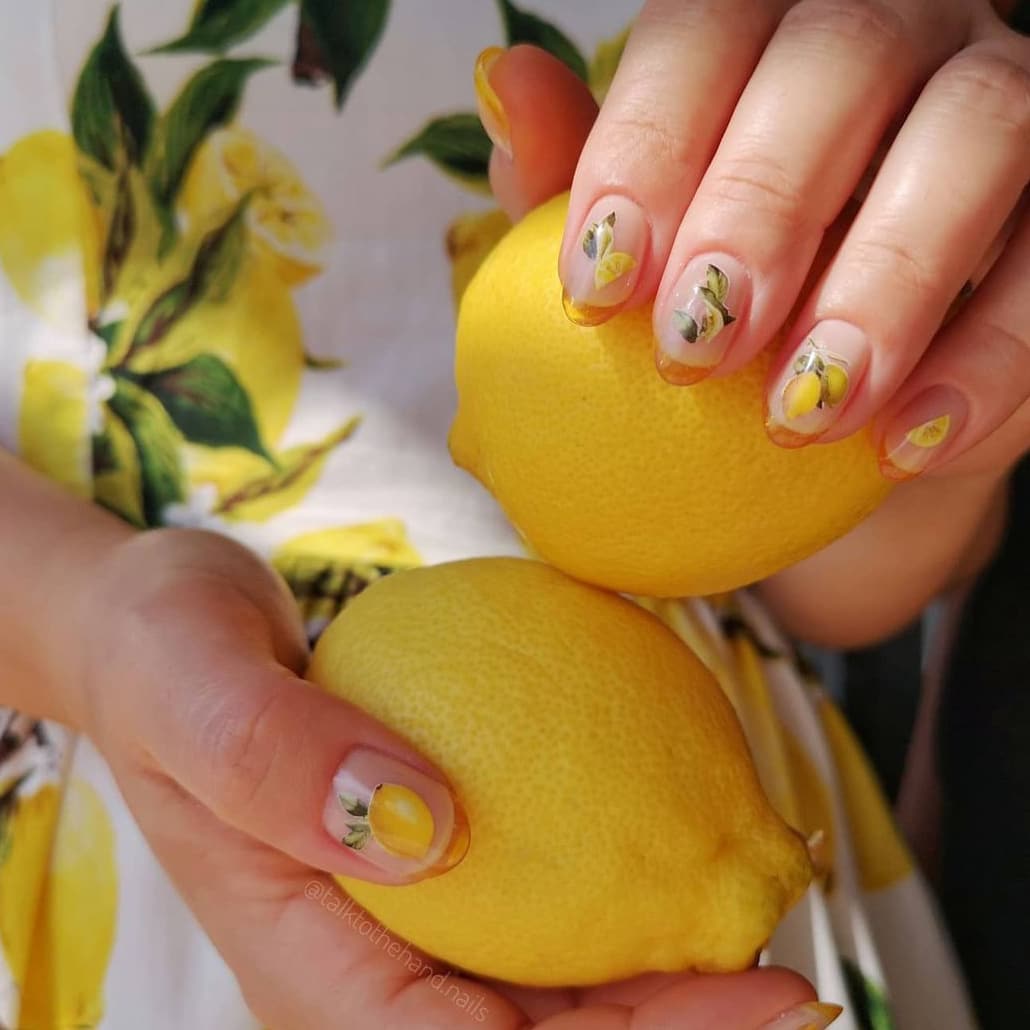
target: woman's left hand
733 135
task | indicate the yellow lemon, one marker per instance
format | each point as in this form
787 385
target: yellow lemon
50 235
287 221
836 384
615 476
469 239
617 825
76 925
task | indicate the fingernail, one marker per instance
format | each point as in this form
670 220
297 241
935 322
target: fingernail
491 110
395 816
917 437
812 389
602 268
813 1015
697 324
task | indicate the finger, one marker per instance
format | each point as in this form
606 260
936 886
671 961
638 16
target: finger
683 69
971 382
284 761
537 112
828 86
304 954
948 184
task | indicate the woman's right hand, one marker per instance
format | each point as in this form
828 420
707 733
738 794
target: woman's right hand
191 655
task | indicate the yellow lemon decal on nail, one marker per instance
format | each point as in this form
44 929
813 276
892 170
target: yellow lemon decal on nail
611 266
400 821
802 394
931 433
835 385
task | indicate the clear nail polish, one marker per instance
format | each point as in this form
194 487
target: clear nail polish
919 435
814 386
602 268
491 110
812 1015
395 816
698 322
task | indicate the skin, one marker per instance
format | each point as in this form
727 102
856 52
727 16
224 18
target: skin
223 753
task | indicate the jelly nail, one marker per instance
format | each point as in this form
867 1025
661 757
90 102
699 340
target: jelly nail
810 392
918 435
812 1015
601 270
491 110
395 816
696 326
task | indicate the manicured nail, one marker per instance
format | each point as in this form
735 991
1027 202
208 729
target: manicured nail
602 268
811 391
813 1015
395 816
917 437
697 322
491 110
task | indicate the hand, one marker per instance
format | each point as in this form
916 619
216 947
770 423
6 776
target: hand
191 653
733 134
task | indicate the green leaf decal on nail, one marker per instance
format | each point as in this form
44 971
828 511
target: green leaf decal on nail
352 804
686 326
718 283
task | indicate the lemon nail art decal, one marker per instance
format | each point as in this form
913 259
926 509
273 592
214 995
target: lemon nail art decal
931 433
609 264
819 380
599 273
706 315
395 816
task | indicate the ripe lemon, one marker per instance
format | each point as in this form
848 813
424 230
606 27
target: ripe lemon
287 221
615 476
617 823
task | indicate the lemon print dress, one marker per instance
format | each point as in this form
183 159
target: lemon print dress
231 232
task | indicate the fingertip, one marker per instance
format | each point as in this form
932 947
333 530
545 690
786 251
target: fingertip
538 114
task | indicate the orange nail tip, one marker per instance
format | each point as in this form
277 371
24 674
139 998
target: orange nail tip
584 315
491 110
812 1015
788 438
676 373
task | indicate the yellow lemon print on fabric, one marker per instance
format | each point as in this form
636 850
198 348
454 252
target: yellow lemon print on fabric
881 855
49 232
286 220
77 917
26 830
252 326
53 430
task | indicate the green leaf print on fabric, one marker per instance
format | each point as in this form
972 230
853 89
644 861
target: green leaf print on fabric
869 1004
523 27
157 443
218 25
335 38
208 405
456 143
214 269
112 112
209 100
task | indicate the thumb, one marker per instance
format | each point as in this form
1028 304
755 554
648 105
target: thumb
288 764
538 114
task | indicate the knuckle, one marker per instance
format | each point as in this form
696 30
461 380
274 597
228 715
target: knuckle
243 742
891 259
642 133
761 187
823 25
988 86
